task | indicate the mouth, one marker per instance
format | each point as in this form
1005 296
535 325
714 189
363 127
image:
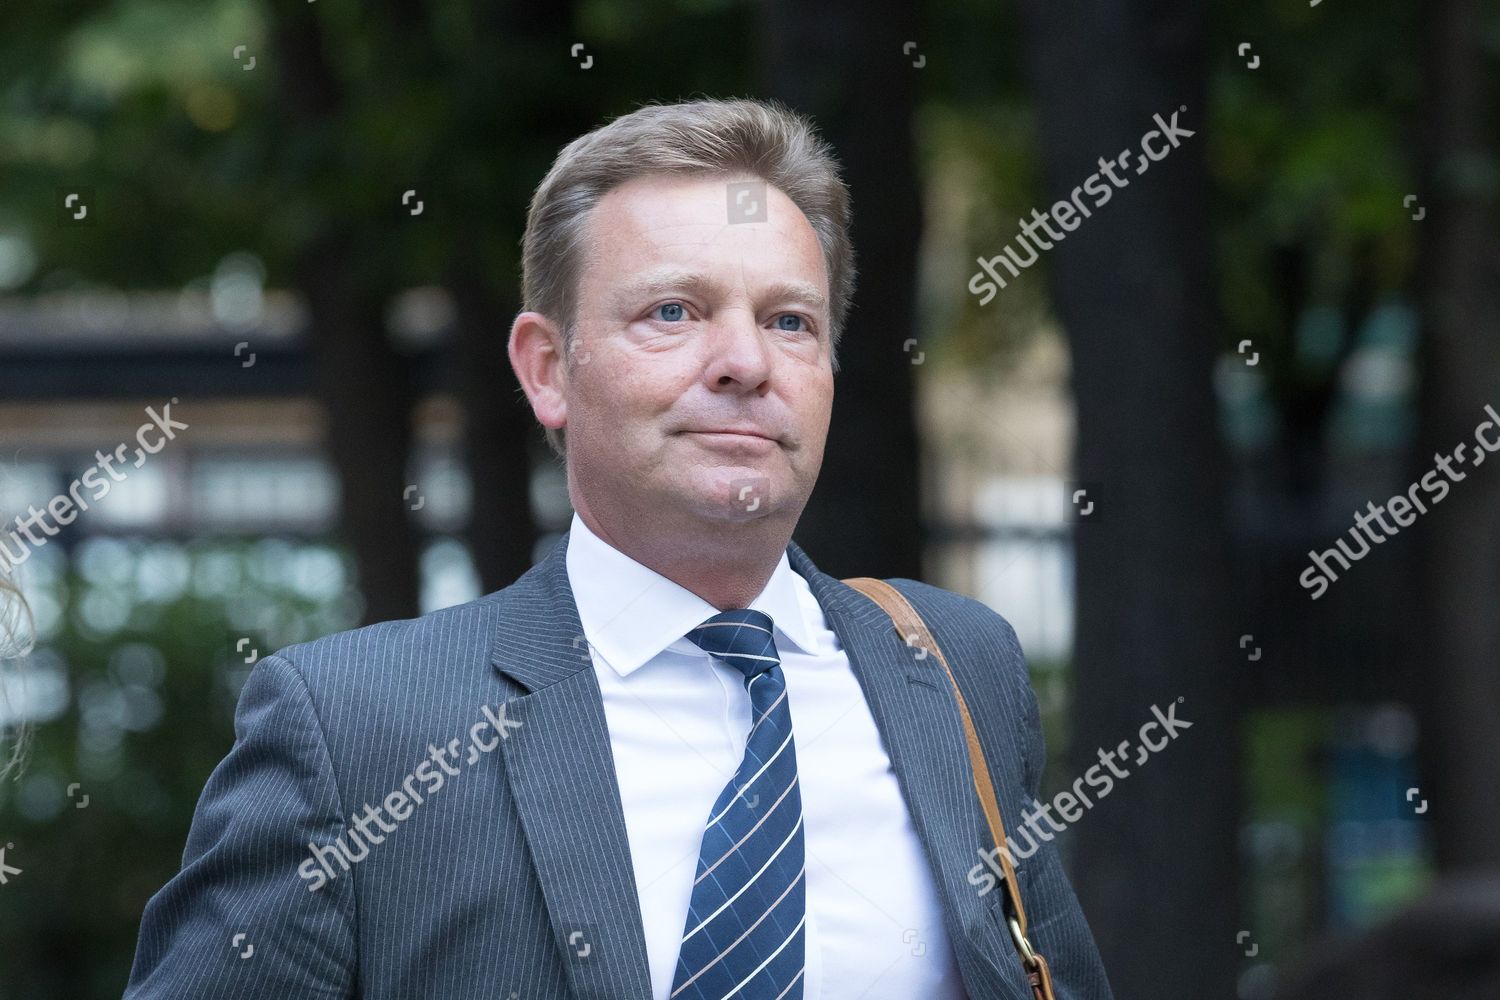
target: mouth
734 438
747 432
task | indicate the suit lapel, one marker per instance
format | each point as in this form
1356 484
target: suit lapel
914 709
562 777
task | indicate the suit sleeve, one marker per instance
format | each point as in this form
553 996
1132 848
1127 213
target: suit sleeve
267 799
1055 923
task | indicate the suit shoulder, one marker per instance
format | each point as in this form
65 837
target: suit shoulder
436 635
949 612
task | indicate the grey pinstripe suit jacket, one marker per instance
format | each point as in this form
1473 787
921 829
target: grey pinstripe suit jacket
514 881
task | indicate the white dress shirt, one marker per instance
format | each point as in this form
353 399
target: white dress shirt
678 720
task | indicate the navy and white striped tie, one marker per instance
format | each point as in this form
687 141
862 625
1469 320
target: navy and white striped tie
744 931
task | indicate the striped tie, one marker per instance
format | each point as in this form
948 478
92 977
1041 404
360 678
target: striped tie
743 936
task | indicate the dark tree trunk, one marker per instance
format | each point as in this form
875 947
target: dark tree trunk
366 396
1459 541
501 436
497 426
842 63
1155 864
361 380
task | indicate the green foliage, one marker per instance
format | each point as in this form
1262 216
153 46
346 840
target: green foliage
139 642
1310 157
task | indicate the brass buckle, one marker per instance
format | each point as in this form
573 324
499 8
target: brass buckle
1028 957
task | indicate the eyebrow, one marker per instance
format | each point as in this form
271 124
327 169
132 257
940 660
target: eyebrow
664 282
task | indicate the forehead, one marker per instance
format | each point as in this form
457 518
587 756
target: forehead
693 222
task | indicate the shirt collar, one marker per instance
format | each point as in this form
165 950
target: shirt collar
630 613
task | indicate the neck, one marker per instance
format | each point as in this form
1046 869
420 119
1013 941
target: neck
727 563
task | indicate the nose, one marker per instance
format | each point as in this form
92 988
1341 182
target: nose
739 357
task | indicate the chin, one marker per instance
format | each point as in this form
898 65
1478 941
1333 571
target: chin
733 493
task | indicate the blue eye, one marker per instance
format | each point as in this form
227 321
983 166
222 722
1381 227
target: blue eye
781 322
671 312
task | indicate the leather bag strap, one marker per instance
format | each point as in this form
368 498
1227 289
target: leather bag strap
914 632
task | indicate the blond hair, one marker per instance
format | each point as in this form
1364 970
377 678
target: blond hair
15 641
763 139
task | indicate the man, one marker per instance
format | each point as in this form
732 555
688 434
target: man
589 784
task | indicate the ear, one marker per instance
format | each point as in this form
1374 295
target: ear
536 355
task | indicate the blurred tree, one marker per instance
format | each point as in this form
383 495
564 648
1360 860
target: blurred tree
1134 291
138 649
447 67
346 268
1460 542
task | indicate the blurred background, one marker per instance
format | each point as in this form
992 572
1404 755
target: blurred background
297 222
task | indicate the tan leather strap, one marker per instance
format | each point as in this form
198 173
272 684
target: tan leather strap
914 632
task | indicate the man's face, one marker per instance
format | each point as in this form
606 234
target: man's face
701 381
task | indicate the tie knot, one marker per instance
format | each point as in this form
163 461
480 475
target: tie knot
742 638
